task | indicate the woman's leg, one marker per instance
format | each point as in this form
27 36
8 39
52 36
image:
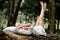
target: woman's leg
38 29
40 19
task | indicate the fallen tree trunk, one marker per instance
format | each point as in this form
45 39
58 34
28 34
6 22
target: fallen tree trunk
12 36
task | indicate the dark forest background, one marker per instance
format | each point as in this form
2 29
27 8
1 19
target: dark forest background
12 11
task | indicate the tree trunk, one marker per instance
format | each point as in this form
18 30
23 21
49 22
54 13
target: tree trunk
52 16
16 12
12 36
11 12
13 15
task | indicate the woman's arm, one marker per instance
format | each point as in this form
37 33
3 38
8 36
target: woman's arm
27 25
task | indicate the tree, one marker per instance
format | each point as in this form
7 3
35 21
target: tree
52 15
13 15
10 11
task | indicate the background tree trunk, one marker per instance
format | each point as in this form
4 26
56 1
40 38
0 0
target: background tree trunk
11 12
52 16
13 15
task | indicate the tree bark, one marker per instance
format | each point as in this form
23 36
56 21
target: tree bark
16 11
52 16
13 15
12 36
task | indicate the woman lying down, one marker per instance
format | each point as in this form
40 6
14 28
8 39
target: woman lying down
28 29
19 29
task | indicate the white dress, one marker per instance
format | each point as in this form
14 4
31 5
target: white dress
39 30
10 29
26 32
16 30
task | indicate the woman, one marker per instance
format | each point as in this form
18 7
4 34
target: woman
19 29
27 29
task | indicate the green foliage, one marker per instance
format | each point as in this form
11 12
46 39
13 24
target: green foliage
28 9
3 4
29 6
58 1
1 27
